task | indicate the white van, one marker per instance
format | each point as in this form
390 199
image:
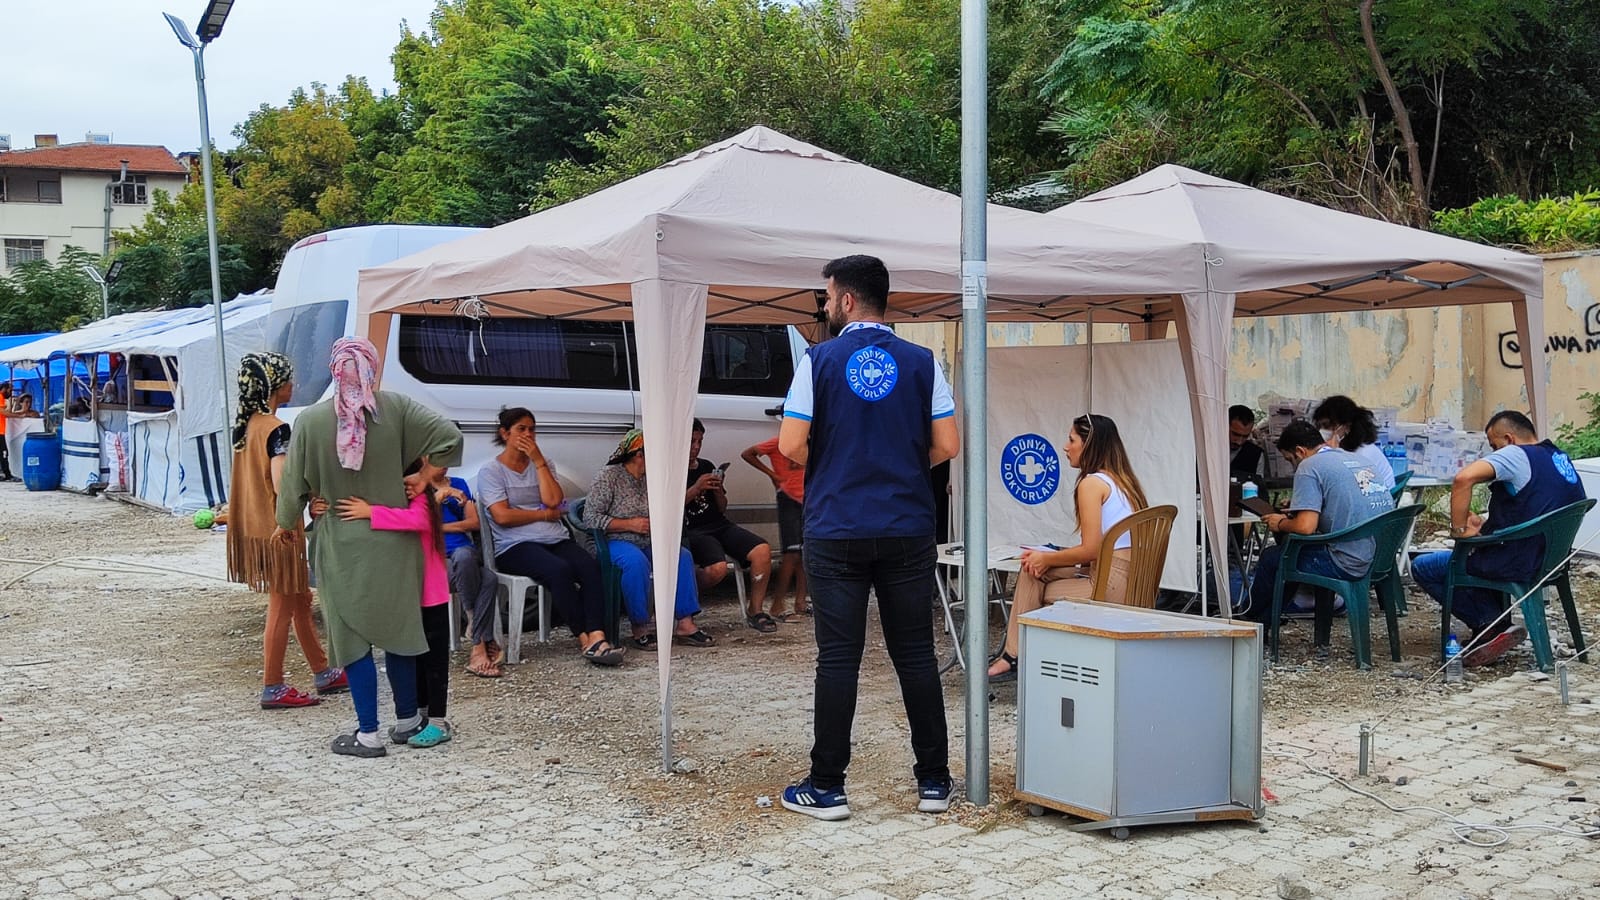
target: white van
580 378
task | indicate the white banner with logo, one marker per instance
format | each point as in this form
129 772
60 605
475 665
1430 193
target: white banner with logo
1036 392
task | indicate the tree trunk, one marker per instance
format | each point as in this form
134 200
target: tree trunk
1402 118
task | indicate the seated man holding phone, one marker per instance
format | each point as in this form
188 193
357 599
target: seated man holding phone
711 538
1334 489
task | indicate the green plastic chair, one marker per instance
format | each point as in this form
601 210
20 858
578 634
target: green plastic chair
609 573
1400 482
1558 528
1387 531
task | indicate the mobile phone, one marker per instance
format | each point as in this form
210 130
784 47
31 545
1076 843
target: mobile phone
723 469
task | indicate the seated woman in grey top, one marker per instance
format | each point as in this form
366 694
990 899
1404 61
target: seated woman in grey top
526 507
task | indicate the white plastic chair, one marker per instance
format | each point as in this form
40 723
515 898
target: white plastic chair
517 588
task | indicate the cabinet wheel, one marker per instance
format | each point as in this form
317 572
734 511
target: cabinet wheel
1120 834
1035 810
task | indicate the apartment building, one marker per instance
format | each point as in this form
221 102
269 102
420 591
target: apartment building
56 195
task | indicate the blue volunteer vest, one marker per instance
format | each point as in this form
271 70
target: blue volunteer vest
871 430
1554 484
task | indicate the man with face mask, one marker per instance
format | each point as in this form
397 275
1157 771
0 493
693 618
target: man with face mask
1527 478
1334 489
868 414
1245 460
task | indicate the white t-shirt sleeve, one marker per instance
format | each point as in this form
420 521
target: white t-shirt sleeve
944 405
1511 466
800 403
491 484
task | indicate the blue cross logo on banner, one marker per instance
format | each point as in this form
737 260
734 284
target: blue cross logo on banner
1030 469
871 373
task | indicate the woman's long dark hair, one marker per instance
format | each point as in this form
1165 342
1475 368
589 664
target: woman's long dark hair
1360 428
1103 452
435 521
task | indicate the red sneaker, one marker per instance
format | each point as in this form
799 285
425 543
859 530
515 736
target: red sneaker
285 697
336 685
1494 648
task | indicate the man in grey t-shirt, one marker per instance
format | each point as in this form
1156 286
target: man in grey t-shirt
1333 490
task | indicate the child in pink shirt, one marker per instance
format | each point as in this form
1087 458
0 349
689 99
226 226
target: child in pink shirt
422 516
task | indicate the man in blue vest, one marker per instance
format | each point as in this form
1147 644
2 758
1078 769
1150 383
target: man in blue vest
868 414
1527 478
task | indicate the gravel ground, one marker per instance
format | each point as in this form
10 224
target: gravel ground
127 702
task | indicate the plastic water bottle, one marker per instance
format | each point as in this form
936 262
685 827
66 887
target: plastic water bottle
1248 491
1452 666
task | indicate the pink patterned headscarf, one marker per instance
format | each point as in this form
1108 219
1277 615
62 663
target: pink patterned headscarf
354 366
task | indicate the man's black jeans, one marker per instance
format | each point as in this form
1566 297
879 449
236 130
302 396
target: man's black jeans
900 570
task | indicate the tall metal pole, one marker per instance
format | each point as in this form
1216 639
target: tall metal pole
211 228
974 387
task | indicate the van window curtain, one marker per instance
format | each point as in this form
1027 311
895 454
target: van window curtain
501 348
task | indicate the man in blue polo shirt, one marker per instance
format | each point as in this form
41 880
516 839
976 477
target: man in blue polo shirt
868 414
1527 478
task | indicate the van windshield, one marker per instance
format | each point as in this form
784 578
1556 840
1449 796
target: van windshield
305 334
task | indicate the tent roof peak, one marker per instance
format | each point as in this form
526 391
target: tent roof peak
760 139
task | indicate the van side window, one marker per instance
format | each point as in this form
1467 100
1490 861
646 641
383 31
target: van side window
514 351
306 334
748 360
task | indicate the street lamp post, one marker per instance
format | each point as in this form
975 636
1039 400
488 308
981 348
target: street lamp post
211 22
105 289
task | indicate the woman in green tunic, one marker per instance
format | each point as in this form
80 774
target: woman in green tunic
358 444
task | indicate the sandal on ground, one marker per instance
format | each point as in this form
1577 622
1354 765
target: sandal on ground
791 618
696 638
762 622
1010 674
487 669
644 641
497 653
435 733
601 653
350 745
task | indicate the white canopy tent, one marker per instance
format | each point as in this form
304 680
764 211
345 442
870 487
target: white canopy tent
1261 254
180 458
739 232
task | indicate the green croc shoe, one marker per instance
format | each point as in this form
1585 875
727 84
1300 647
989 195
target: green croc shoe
435 733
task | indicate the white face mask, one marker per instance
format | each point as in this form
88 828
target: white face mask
1327 434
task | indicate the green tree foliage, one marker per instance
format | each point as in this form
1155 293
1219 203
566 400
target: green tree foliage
1302 96
49 296
149 252
1582 440
1546 225
497 91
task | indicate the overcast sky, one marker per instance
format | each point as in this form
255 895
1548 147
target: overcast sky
72 66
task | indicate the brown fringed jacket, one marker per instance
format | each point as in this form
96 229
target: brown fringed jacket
254 559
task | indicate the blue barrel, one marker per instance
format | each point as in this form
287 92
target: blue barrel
41 461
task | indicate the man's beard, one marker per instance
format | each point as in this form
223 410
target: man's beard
836 322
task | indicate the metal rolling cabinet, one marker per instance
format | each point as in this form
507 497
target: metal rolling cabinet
1136 717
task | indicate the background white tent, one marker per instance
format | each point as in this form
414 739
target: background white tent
181 458
739 232
1261 254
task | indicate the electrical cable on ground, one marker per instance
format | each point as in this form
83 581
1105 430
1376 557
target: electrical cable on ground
1466 832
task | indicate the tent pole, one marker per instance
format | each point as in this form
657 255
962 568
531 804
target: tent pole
974 369
1090 326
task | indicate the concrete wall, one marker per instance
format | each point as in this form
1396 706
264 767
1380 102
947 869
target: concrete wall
1456 363
79 219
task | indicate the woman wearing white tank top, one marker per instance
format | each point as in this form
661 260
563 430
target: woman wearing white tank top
1107 492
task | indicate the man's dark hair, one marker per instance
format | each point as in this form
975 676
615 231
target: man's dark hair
1241 413
1513 420
699 427
1298 435
864 276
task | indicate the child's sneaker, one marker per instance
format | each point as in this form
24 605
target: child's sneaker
933 795
829 806
281 696
332 680
436 732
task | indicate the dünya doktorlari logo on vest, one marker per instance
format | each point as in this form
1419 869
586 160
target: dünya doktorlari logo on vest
871 373
1563 464
1030 469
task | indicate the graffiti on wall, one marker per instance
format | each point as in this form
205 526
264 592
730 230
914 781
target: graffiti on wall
1588 342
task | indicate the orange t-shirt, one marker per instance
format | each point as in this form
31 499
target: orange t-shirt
791 476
